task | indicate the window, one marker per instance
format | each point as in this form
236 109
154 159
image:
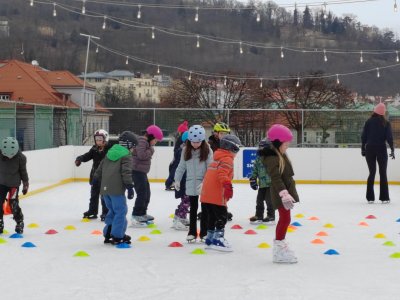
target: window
4 97
305 137
318 136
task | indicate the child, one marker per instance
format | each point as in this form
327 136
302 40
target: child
196 156
180 222
169 183
12 172
115 175
264 181
96 153
141 166
217 190
283 187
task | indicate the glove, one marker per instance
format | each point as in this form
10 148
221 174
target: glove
199 187
177 186
253 183
362 152
25 188
77 163
287 199
131 193
392 154
228 190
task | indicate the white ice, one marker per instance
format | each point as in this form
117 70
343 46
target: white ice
152 270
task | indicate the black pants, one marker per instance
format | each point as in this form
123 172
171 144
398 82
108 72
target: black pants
216 216
264 194
194 205
94 200
378 154
14 202
170 179
142 188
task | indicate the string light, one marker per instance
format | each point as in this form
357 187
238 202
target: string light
324 11
395 6
153 35
377 73
158 69
196 17
241 48
190 75
225 80
54 10
258 17
337 79
22 49
282 55
298 82
361 57
261 84
127 60
139 13
83 7
97 49
397 56
104 22
198 42
31 3
325 57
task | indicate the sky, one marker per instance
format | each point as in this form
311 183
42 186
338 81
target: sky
361 269
379 13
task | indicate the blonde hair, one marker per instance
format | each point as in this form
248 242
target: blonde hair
282 162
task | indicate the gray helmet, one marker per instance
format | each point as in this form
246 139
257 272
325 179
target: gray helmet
9 147
128 139
197 134
230 142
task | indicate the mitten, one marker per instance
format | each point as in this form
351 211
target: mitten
228 190
253 183
131 193
177 186
392 154
287 199
25 188
77 163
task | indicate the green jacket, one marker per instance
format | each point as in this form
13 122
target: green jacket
280 182
115 171
260 171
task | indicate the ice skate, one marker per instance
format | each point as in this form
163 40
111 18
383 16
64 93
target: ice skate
229 216
1 226
191 238
178 224
371 201
282 253
385 201
19 228
125 240
149 218
208 238
139 222
89 215
269 220
256 220
103 217
219 243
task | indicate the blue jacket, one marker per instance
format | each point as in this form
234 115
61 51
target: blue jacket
376 133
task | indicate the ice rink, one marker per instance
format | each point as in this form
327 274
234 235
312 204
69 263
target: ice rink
363 268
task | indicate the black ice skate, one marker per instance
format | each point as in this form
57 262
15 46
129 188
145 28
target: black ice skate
19 228
125 240
230 216
269 220
89 215
103 217
256 220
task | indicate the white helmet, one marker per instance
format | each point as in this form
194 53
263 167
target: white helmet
9 147
196 134
103 133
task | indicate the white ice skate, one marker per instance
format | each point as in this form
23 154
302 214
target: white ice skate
140 222
178 224
191 238
282 253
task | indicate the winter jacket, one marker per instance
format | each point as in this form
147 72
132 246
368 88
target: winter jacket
96 155
214 143
219 171
377 134
279 182
260 171
115 171
177 155
195 170
182 190
13 171
142 155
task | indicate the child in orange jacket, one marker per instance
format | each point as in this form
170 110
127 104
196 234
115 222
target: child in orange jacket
216 192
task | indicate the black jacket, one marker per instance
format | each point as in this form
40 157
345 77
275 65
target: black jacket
96 155
13 171
214 143
376 133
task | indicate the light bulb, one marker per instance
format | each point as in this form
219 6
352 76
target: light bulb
325 58
258 17
153 35
261 85
397 56
241 49
377 73
361 57
337 79
325 16
196 17
198 41
54 10
282 55
83 7
225 80
158 69
190 75
97 49
31 2
104 22
139 13
298 82
127 60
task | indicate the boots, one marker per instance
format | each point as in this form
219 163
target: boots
219 243
282 253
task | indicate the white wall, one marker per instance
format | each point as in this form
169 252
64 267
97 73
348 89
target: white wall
332 164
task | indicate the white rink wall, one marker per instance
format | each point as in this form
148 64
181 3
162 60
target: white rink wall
311 165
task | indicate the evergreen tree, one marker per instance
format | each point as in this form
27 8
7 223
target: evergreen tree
308 22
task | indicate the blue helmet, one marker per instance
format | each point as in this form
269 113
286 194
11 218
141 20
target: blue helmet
197 134
185 136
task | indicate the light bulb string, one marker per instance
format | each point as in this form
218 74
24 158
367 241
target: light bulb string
179 33
208 74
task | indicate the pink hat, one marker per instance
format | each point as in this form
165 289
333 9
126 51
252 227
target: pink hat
280 133
183 127
155 131
380 109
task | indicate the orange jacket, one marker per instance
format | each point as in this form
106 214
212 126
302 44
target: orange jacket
218 172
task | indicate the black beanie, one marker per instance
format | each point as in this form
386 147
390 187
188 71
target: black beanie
276 143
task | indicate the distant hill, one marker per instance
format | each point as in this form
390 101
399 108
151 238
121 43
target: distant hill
55 42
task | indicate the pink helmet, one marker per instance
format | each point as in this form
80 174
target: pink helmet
155 131
183 127
280 133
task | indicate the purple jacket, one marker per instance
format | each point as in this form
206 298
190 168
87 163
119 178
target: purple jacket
142 155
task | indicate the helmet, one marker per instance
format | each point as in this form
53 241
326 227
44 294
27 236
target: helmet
280 133
103 133
183 127
9 147
185 136
221 127
155 131
127 139
230 142
197 134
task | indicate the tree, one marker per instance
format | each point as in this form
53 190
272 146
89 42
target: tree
308 22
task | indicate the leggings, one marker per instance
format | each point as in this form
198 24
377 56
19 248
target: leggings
283 223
